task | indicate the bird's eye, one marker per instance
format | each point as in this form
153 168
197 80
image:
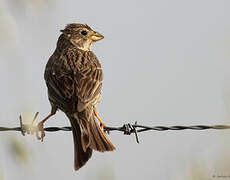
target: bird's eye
84 33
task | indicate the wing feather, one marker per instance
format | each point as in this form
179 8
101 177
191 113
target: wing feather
72 85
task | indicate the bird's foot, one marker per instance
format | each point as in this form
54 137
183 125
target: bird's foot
40 127
102 125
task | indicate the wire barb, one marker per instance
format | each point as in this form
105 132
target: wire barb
28 128
22 126
129 129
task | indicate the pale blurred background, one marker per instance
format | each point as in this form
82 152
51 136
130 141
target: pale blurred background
165 63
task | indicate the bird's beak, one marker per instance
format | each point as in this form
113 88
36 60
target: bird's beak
96 36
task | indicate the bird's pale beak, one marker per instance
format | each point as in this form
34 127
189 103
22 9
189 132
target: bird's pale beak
96 36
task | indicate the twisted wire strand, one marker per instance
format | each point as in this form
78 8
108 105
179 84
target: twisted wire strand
126 128
143 128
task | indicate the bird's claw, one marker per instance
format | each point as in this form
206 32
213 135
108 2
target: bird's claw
106 131
40 128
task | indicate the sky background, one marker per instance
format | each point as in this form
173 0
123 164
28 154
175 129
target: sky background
165 63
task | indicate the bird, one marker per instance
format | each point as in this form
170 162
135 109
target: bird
73 76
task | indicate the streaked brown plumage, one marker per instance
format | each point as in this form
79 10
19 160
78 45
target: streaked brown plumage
74 77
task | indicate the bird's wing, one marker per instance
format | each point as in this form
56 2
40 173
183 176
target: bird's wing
60 83
73 84
89 83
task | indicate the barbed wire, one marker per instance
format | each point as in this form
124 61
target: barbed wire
127 129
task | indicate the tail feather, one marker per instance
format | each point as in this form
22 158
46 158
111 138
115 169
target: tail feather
80 156
98 139
87 136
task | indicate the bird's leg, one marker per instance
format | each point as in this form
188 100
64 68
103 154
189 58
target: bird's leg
41 125
102 124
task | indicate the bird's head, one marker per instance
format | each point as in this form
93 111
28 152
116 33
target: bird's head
81 35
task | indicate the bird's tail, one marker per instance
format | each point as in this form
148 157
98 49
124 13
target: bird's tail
80 156
87 136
